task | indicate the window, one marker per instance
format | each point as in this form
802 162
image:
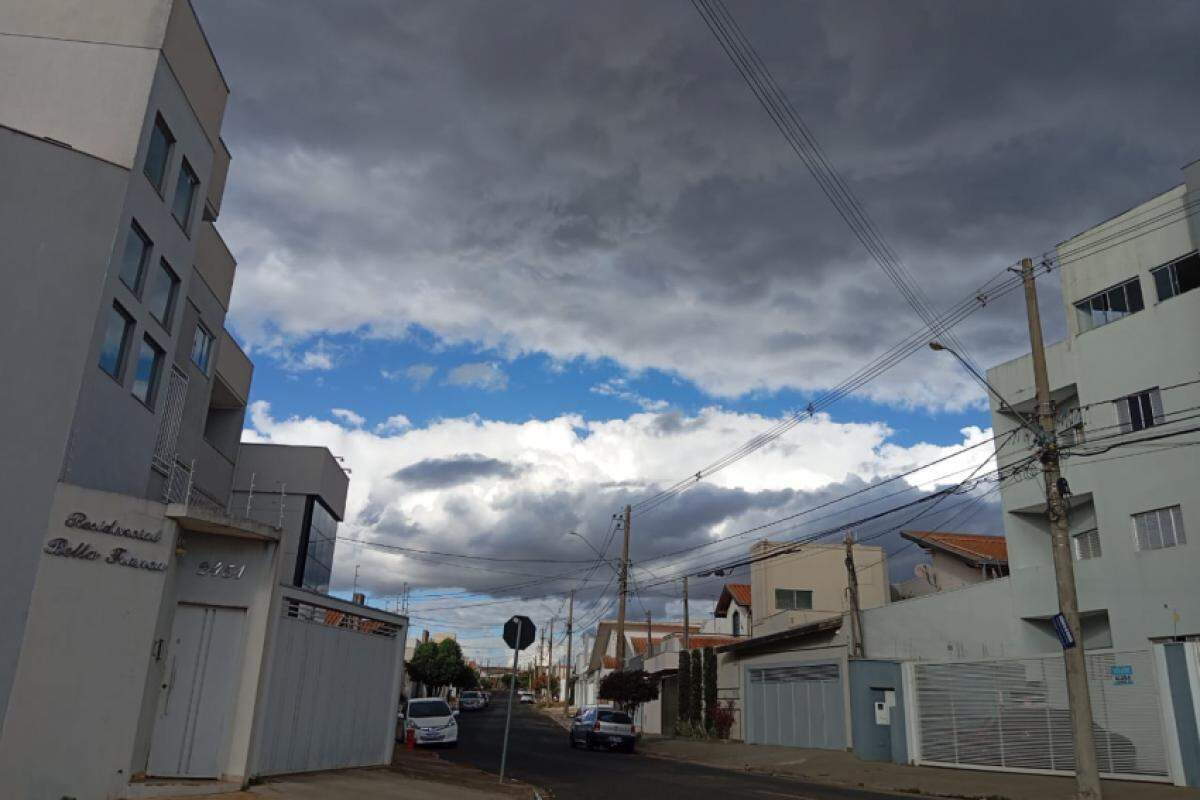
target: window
1109 305
314 566
116 342
149 364
1181 275
737 624
1154 530
160 292
202 344
793 599
158 153
133 259
1087 545
185 192
1141 410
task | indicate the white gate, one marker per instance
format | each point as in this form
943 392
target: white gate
333 689
205 657
1012 715
796 705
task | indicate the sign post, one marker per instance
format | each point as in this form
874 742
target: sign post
519 633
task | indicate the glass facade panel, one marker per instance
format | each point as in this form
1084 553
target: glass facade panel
185 192
315 561
149 364
161 289
133 258
202 343
158 153
116 342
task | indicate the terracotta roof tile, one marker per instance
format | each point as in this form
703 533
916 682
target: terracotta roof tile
712 640
736 592
969 546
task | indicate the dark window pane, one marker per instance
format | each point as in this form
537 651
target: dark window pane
1099 310
202 344
160 292
1116 302
1187 273
158 153
1147 409
1162 283
148 365
1133 292
133 259
116 339
318 555
185 191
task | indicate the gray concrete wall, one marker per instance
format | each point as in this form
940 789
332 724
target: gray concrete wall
114 431
304 470
53 285
866 676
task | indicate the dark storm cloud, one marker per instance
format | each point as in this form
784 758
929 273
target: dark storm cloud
442 473
596 180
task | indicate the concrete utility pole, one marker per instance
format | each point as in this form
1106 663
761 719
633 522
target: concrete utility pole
649 638
537 669
687 626
570 626
624 590
1087 773
550 664
857 646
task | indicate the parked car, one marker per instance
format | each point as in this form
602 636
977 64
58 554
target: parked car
525 697
472 701
431 721
603 727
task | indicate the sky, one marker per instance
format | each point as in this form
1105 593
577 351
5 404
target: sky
519 264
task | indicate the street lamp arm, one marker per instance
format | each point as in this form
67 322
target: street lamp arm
1038 433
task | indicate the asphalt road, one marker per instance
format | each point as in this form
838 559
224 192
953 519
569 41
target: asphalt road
538 753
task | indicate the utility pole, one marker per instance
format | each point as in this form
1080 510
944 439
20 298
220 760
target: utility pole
649 638
550 665
1087 772
566 692
624 590
687 626
537 669
857 647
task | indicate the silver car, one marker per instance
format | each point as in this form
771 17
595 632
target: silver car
603 727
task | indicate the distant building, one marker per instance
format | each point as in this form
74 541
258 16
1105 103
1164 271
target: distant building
732 614
956 560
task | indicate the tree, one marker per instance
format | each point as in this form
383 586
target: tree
628 689
685 686
539 683
694 708
710 686
437 664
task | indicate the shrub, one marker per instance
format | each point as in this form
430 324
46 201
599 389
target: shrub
710 686
722 717
685 686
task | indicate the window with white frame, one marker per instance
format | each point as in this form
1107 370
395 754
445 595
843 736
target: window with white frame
793 599
1179 276
202 345
1110 305
1160 528
1087 545
1140 410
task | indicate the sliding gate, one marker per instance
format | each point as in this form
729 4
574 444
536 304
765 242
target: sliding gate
1012 715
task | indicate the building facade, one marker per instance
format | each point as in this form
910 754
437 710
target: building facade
158 622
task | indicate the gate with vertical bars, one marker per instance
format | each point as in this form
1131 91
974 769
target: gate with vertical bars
1012 714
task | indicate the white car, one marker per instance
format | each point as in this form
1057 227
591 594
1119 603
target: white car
431 721
525 697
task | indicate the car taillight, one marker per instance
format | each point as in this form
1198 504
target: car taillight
596 727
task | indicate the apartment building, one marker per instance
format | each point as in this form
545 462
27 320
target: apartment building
155 559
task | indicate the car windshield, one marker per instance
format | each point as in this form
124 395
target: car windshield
470 695
429 708
618 717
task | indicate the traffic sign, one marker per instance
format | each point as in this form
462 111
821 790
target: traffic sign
519 632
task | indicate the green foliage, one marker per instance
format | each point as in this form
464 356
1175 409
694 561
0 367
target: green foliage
710 686
685 686
628 689
440 664
695 715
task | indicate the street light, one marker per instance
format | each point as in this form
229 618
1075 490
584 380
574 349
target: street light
1039 434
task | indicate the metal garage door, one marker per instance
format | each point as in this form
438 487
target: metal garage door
798 705
1013 715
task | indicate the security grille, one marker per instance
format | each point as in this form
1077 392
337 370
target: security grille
320 615
178 483
1013 715
168 428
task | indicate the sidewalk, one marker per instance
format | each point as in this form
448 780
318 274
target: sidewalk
840 768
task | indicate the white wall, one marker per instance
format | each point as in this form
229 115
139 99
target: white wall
75 704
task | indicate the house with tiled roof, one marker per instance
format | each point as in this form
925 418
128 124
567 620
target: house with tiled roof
956 560
602 658
732 614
